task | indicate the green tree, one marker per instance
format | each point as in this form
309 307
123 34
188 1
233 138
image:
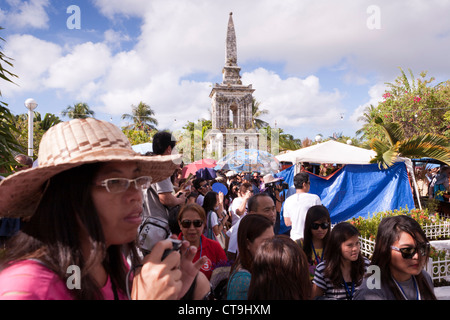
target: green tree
285 141
40 126
80 110
256 113
288 142
138 136
142 117
188 139
9 146
414 104
427 145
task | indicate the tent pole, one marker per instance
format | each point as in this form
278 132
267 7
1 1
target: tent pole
410 168
417 191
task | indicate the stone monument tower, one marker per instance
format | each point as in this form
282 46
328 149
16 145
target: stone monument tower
232 119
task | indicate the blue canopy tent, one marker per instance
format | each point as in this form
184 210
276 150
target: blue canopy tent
358 190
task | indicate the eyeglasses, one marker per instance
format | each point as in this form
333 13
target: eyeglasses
117 185
316 226
187 223
410 252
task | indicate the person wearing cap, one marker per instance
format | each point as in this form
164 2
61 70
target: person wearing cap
84 203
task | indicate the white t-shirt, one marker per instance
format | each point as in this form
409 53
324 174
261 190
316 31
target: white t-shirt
232 234
200 199
235 204
295 208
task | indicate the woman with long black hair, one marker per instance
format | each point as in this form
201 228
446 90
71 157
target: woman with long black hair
400 254
342 271
316 234
83 205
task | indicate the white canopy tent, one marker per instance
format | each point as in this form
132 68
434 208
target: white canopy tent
340 153
329 152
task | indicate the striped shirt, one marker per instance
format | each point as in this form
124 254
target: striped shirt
331 292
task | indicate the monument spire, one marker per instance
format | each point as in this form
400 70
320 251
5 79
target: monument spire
231 101
231 52
230 72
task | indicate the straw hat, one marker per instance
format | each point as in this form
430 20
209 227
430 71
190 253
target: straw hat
68 145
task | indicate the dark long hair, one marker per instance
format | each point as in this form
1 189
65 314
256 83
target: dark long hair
389 231
280 271
315 213
52 235
333 255
251 226
209 201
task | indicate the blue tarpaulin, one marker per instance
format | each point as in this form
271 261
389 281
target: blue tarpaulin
358 190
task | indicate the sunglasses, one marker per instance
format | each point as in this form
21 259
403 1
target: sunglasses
323 225
410 252
187 223
117 185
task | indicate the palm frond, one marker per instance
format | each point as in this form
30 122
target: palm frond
385 154
392 130
426 146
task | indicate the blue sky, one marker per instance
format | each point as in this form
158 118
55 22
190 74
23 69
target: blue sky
314 65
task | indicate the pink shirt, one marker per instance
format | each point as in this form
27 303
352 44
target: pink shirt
31 280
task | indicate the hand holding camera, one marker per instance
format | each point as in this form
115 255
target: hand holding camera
164 256
158 278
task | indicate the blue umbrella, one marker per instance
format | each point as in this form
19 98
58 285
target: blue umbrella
206 173
248 160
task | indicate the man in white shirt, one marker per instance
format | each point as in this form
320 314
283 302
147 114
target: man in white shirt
297 205
260 203
238 206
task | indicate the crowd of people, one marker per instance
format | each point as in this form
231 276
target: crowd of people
88 201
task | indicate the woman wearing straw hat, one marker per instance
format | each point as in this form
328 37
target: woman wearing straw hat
83 204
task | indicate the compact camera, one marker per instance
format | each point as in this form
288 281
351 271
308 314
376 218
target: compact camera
153 230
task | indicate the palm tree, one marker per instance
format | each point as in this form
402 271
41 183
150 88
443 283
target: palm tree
49 120
370 113
427 145
142 117
256 112
79 110
9 145
288 142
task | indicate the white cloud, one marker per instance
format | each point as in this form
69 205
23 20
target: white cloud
114 38
32 59
85 63
23 14
314 41
174 102
294 102
111 8
375 96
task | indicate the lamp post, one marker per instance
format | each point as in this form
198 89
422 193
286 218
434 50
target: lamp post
30 104
318 138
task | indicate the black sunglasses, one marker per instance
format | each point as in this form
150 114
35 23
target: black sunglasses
410 252
323 225
187 223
